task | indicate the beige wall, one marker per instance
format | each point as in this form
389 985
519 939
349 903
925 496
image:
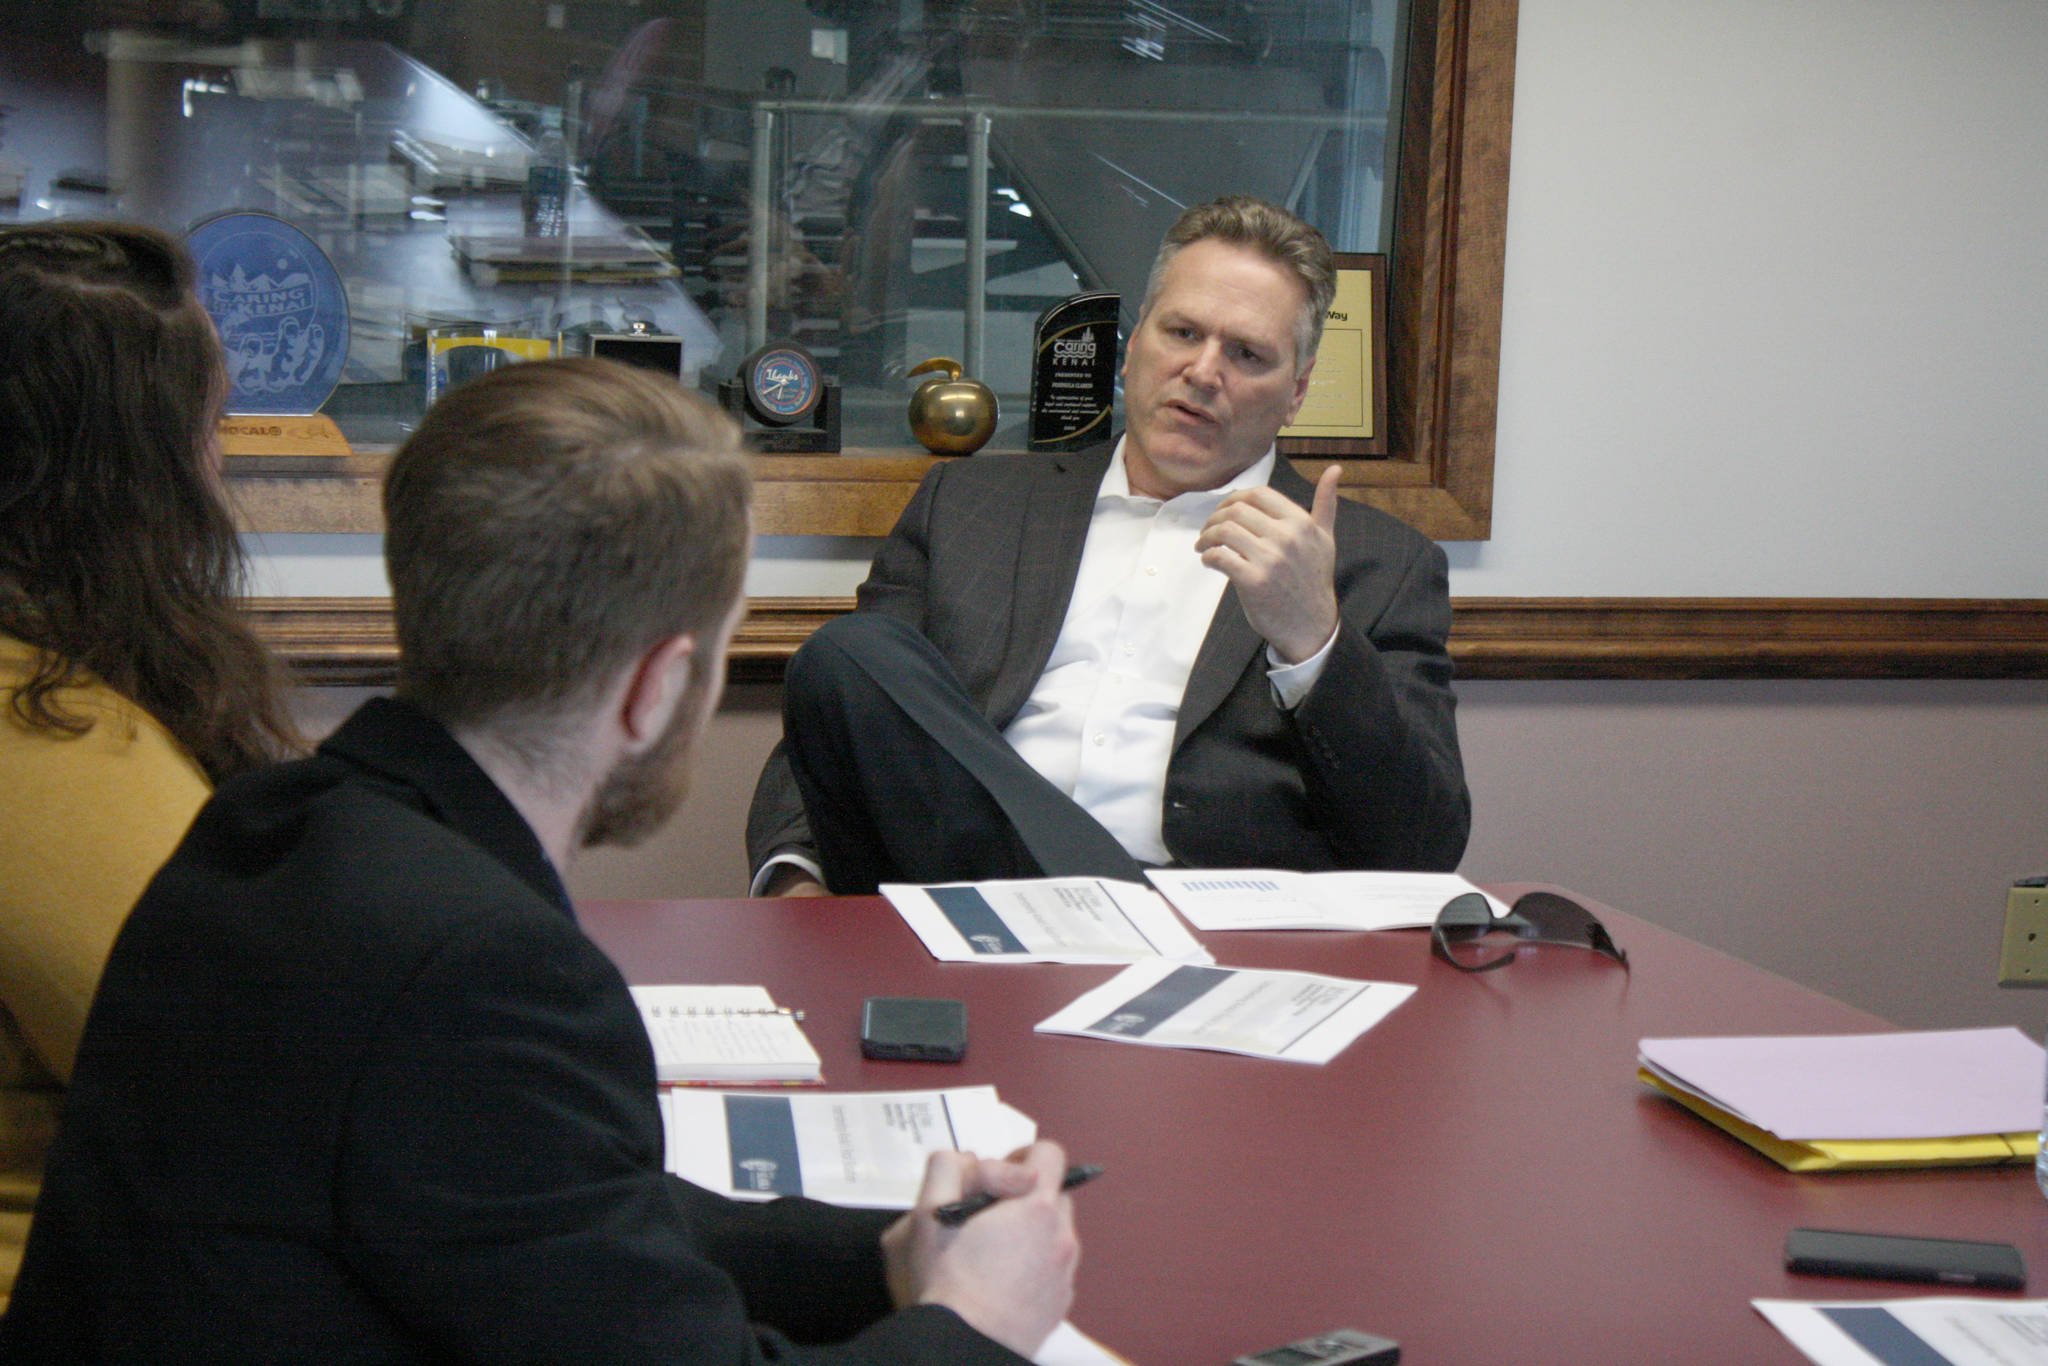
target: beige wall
1857 837
1854 836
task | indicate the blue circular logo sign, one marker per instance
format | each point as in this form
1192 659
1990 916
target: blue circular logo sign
280 310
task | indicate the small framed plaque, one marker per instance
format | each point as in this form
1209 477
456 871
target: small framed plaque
1345 413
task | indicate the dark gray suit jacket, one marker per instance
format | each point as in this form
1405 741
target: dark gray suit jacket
1364 773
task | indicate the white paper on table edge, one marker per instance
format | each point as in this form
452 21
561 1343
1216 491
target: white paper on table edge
1364 1012
955 949
1823 1342
1205 919
1818 1340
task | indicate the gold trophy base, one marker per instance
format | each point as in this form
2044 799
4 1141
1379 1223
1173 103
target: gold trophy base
263 434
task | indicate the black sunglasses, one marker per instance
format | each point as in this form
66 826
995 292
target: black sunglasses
1537 917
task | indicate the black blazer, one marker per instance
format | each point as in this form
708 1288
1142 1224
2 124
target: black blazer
1364 773
355 1088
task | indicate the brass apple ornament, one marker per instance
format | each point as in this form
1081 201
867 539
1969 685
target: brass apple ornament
950 415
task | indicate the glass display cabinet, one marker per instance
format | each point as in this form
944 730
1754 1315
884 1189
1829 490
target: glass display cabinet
880 183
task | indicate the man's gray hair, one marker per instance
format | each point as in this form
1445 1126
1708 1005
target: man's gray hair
1274 233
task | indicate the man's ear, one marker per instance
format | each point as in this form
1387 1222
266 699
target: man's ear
656 685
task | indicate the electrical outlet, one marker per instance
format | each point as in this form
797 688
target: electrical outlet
2023 958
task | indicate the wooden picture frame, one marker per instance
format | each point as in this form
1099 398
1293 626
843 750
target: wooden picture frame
1345 413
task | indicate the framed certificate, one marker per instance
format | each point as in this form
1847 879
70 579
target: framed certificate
1345 413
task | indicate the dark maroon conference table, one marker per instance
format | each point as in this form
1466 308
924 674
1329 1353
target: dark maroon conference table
1480 1176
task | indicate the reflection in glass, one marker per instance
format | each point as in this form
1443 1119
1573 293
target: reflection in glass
882 183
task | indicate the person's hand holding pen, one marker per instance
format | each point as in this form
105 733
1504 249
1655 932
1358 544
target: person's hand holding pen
960 1211
1009 1270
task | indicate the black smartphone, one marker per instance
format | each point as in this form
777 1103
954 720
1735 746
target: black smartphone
1950 1261
914 1028
1338 1347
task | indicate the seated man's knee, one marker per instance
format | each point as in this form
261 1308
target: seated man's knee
860 672
860 641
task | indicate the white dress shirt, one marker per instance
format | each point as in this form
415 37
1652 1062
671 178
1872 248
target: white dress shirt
1099 723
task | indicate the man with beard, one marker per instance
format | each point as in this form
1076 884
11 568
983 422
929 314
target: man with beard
356 1087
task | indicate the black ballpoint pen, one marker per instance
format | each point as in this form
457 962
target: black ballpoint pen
960 1211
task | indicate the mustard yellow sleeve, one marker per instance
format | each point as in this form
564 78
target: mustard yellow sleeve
85 822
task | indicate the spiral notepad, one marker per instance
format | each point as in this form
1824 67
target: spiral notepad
725 1036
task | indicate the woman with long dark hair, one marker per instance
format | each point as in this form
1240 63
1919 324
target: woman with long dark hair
128 682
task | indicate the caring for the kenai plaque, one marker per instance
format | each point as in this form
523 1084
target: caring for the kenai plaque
282 315
1073 373
1345 412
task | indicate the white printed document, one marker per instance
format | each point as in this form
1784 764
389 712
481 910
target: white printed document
1044 920
1914 1332
1294 1016
1272 899
866 1149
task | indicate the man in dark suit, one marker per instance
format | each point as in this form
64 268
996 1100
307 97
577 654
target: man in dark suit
1178 651
355 1087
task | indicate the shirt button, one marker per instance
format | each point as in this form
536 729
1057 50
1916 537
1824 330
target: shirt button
1127 649
1101 740
1152 570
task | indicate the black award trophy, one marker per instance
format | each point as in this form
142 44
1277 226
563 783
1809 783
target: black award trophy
1073 373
